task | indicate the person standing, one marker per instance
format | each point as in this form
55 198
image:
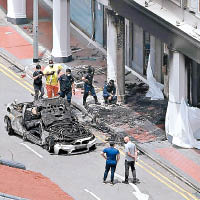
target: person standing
66 85
109 92
51 73
130 159
112 157
37 83
88 85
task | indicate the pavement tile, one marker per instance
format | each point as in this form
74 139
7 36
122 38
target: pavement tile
146 134
42 13
14 43
3 3
180 161
30 185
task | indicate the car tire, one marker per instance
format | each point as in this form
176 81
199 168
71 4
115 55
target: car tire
24 137
93 147
50 145
9 127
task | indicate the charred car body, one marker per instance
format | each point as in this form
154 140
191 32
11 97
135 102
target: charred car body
50 123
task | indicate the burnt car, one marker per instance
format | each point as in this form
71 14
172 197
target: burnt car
50 123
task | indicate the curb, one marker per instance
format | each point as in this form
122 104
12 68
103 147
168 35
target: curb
12 61
12 164
7 196
169 169
172 171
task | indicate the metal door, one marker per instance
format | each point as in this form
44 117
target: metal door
99 13
81 15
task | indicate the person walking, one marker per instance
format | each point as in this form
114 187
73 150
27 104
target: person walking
51 73
112 157
66 85
130 159
109 92
37 82
88 85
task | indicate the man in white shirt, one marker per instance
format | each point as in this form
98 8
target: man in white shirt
130 158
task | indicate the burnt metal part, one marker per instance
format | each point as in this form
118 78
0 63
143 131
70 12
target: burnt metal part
49 122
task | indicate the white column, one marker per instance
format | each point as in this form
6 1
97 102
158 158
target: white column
177 90
116 52
156 52
16 11
61 51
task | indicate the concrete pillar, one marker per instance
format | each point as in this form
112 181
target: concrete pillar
127 41
61 51
177 90
177 77
195 83
16 11
156 52
116 52
138 49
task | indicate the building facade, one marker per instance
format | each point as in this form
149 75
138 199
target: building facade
130 31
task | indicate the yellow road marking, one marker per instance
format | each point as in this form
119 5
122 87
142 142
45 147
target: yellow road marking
195 198
147 170
10 71
158 178
24 86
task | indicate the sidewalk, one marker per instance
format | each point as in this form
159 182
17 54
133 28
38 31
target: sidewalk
140 117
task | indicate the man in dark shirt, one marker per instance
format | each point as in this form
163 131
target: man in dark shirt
88 87
112 157
37 83
66 84
109 92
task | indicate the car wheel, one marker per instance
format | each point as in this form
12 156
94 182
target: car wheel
24 137
9 127
51 145
92 148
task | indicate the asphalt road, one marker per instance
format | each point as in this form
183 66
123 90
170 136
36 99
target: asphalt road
81 175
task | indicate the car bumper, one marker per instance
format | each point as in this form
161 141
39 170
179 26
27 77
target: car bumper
74 149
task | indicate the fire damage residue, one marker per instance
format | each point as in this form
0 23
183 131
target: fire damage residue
139 115
49 123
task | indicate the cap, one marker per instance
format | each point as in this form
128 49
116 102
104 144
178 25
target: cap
68 70
50 61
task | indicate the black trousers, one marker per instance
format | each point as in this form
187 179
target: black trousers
130 164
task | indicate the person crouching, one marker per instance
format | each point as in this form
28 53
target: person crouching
109 92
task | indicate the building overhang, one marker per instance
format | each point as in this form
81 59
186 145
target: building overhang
168 33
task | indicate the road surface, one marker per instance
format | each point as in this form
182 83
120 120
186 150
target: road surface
81 175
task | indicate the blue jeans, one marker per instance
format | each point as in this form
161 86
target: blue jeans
87 89
107 169
113 100
68 94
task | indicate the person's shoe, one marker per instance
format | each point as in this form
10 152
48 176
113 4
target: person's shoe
97 103
84 103
104 182
134 181
125 182
112 183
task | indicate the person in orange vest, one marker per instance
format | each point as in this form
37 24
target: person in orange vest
51 73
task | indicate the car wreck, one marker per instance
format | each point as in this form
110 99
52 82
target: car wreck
50 123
